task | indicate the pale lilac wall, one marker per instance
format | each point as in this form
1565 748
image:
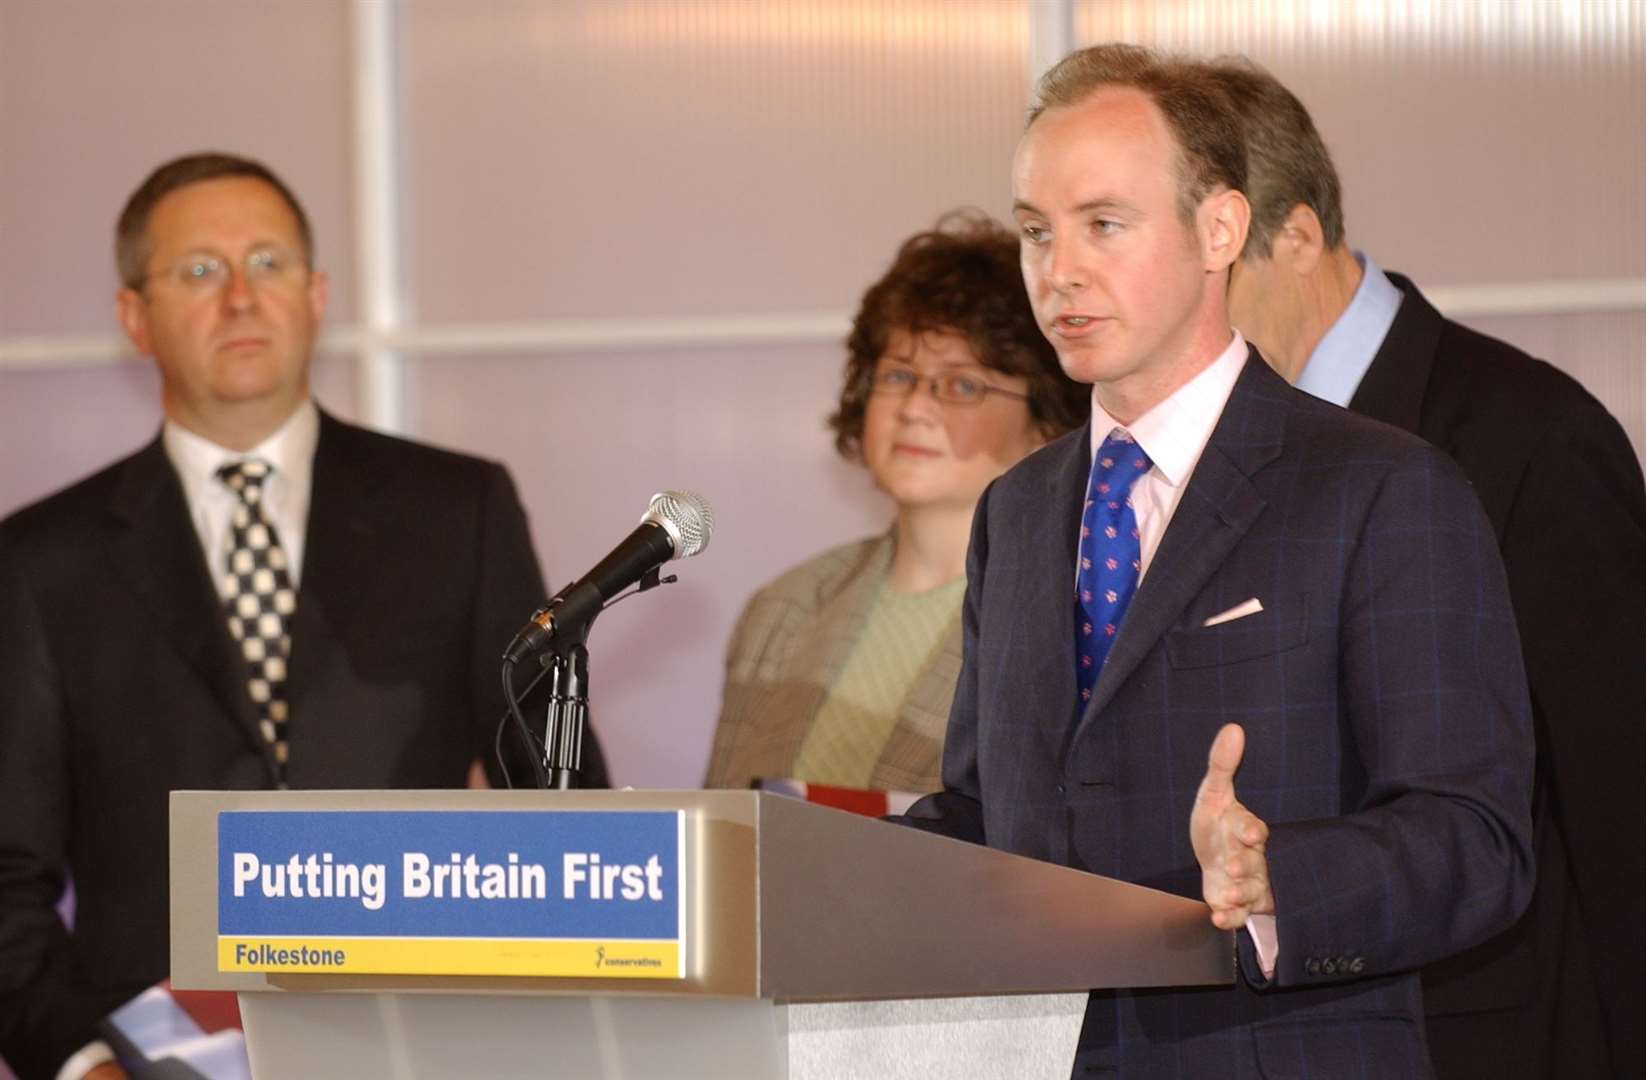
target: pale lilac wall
623 161
635 159
94 94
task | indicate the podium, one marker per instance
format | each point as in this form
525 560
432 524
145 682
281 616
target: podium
814 944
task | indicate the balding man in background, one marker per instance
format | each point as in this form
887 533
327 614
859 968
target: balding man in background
1552 996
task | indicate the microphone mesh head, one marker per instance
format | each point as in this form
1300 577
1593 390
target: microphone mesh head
686 517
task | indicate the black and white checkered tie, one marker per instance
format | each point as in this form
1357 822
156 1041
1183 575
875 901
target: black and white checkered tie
260 600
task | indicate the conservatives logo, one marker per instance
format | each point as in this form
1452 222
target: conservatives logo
602 960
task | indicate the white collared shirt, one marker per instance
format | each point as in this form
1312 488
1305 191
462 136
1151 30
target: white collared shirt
290 451
1174 434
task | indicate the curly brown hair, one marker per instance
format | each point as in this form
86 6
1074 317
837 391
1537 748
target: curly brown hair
962 277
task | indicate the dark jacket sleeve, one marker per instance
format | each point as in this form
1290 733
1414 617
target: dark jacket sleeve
45 1016
1575 546
1433 852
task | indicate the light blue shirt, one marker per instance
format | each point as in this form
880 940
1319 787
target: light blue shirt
1341 358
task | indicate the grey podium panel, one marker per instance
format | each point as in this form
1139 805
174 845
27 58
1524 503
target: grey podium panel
410 1037
851 907
462 1036
1028 1037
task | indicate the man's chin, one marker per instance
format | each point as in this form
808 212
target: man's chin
250 396
260 401
251 383
1083 365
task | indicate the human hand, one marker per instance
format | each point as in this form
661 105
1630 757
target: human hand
108 1070
1229 839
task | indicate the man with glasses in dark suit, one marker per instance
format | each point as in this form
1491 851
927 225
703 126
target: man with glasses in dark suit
264 596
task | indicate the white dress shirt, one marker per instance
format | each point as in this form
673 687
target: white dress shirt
1174 434
290 452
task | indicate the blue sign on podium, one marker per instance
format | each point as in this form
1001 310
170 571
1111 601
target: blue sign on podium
592 894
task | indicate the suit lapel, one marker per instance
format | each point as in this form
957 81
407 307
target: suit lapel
1046 614
156 551
1218 507
339 553
1393 387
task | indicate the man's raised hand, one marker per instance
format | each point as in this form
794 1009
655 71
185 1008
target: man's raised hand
1229 839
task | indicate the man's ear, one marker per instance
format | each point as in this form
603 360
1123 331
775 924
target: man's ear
1223 219
1300 242
133 312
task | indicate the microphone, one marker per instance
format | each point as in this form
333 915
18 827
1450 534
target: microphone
676 525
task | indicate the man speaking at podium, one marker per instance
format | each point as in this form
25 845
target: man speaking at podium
1222 566
262 597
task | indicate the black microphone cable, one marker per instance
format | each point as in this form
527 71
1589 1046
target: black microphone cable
524 728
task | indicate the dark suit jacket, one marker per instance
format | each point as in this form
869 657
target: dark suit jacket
119 683
1388 734
1559 994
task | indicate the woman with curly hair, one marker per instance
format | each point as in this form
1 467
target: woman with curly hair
842 670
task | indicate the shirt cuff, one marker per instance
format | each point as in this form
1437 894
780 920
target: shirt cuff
1265 940
86 1059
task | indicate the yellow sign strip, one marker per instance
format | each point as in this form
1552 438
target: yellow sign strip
452 956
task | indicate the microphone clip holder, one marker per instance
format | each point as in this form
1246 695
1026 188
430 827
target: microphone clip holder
558 636
567 664
566 660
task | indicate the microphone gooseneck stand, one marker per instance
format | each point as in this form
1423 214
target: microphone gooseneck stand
564 656
676 524
567 662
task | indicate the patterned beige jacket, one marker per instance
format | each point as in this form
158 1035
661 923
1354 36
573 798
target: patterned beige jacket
790 645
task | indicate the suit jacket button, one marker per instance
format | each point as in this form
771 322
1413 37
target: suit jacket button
1357 965
1061 789
1329 966
1311 966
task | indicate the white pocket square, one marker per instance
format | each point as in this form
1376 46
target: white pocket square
1239 611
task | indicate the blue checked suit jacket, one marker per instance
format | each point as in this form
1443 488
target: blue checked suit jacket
1389 739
